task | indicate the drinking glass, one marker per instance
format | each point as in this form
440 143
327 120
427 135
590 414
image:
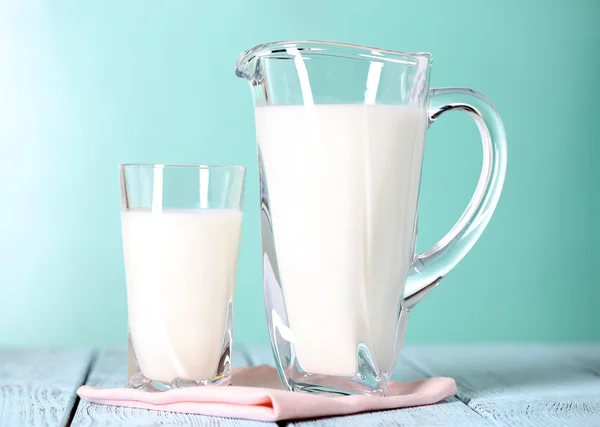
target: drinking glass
181 230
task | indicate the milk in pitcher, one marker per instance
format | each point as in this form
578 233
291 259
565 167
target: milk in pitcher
342 187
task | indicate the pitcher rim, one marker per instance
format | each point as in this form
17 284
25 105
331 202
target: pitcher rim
280 49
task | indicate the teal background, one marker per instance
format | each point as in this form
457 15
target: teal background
87 85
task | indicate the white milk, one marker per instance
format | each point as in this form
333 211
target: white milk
180 267
343 185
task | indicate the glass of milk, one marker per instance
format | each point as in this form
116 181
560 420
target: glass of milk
181 231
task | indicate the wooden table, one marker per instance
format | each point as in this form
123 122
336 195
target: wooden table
514 385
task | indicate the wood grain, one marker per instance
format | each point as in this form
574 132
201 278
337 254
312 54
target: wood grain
451 412
504 385
521 385
110 370
37 387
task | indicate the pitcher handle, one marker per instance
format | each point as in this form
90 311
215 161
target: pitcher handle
432 265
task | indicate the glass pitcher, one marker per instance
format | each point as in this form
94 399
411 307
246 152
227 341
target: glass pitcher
340 131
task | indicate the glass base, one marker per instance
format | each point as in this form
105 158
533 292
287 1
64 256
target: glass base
140 382
295 379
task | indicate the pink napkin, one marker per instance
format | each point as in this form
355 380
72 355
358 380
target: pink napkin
257 395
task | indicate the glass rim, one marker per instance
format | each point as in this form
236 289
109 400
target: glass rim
183 165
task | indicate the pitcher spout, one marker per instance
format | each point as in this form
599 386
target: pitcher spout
247 62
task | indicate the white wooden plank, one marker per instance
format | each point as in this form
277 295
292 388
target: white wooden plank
37 387
110 370
585 356
449 412
521 385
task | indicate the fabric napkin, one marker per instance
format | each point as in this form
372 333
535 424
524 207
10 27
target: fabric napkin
258 395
